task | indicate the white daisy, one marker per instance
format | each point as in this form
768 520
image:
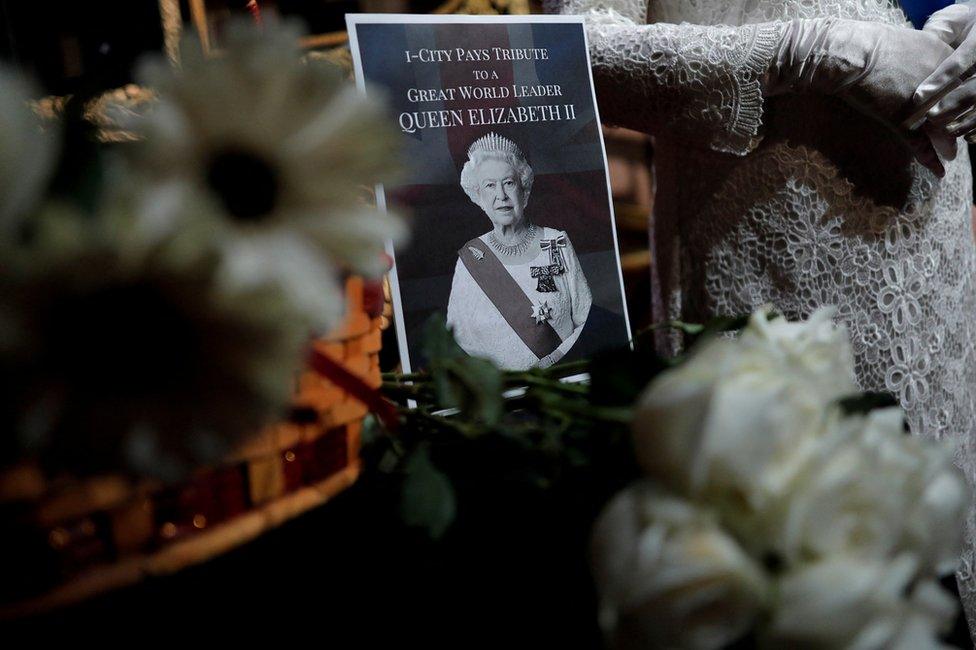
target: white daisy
133 354
272 147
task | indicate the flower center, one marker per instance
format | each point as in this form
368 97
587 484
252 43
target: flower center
246 183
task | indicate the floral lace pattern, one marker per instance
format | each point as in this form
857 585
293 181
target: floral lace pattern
826 209
700 82
742 12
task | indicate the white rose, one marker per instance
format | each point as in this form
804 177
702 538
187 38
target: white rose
935 520
673 416
871 490
816 352
935 494
668 576
858 603
930 611
844 501
737 421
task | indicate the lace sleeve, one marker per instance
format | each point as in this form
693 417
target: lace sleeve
698 83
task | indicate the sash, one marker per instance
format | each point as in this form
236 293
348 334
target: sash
509 299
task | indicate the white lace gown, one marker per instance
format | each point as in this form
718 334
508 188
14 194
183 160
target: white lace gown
798 201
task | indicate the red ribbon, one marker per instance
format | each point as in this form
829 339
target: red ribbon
335 372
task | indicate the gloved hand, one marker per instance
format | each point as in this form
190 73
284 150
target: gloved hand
952 84
872 66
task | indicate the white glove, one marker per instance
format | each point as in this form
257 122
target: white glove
872 66
952 84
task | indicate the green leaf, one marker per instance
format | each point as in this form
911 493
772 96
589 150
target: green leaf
388 461
428 499
721 324
727 323
688 328
371 431
438 342
618 377
473 386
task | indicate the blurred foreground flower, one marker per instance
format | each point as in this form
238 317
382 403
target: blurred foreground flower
27 154
154 320
273 154
127 354
851 520
857 602
737 420
669 576
872 491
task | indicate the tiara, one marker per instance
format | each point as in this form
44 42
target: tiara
495 142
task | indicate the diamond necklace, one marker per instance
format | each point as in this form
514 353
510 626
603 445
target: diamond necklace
518 247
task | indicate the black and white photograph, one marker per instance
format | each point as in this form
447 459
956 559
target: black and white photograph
519 296
514 243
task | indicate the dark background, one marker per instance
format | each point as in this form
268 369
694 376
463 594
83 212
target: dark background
512 575
67 45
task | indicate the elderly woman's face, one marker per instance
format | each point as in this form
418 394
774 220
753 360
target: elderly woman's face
500 192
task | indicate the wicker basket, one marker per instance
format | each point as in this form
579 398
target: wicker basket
78 538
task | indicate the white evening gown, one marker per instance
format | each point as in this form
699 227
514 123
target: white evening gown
798 201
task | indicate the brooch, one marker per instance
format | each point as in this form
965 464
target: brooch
541 312
545 274
478 254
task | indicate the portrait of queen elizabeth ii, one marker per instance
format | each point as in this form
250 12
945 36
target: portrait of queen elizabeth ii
519 296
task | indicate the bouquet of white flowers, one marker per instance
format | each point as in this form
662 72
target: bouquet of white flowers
771 511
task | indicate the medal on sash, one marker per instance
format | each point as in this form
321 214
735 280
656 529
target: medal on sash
541 312
546 274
